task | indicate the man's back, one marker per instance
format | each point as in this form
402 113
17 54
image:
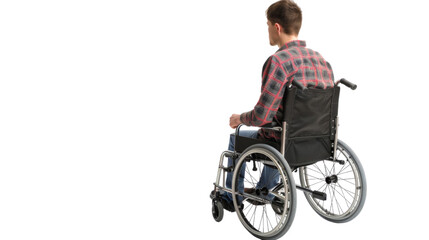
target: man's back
304 67
291 64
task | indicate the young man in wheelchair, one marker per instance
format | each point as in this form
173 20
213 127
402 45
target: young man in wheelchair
292 64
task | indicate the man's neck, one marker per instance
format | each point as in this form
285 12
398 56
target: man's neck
284 38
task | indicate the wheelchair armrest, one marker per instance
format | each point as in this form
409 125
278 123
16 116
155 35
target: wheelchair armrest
273 126
241 143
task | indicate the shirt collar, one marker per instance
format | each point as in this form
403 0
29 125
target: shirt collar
294 43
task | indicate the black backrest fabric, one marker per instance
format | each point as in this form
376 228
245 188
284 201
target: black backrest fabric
310 115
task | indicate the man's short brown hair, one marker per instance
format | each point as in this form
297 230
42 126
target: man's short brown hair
286 13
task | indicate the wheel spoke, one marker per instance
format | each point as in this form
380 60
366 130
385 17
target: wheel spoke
250 209
315 170
347 181
345 166
350 193
268 221
340 210
326 168
344 197
254 181
344 172
324 174
262 218
319 182
322 179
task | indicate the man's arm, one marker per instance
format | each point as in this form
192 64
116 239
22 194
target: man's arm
274 79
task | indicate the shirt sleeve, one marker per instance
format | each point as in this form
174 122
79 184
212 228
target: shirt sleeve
274 79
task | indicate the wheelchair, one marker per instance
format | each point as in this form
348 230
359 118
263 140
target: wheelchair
331 175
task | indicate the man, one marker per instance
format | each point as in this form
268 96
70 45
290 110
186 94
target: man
293 63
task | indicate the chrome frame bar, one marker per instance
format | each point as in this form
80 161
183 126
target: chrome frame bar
335 140
221 167
283 139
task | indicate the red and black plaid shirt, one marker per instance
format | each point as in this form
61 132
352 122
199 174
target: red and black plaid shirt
292 63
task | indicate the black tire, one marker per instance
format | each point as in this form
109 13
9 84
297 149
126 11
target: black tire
217 210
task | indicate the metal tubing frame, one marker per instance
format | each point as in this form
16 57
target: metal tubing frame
233 154
283 129
335 140
221 167
283 139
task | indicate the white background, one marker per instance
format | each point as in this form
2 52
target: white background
113 114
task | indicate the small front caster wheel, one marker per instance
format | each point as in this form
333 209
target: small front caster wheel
217 211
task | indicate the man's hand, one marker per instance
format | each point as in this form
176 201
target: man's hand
234 120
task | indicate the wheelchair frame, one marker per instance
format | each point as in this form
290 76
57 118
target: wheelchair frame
235 155
310 194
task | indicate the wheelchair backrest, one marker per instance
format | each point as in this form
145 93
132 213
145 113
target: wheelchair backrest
310 115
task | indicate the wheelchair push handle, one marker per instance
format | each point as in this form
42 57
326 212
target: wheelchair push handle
347 83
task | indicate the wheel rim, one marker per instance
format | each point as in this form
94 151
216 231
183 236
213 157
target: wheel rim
262 220
341 183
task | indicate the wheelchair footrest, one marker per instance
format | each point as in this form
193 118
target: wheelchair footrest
228 169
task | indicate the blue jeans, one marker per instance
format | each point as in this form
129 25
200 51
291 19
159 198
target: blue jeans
269 177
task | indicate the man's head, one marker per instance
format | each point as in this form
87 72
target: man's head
284 18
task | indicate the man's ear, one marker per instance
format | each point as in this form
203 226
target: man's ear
278 27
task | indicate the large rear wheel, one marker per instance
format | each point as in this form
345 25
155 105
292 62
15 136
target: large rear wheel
264 192
343 182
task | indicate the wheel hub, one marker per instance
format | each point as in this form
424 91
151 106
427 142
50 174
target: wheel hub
331 179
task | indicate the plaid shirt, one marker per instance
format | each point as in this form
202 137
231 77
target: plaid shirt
291 64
